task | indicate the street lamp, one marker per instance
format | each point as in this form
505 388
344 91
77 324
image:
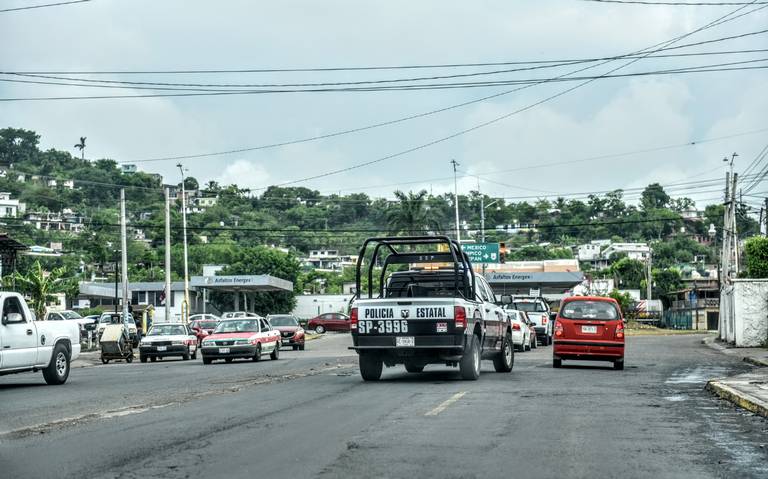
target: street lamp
185 303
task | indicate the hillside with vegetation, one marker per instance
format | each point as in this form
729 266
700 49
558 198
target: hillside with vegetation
240 228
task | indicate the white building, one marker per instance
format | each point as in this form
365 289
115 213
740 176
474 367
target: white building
588 252
10 208
129 168
637 251
328 260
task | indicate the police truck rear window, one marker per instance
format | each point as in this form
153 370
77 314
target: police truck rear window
594 310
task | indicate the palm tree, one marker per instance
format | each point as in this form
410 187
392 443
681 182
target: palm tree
38 285
81 146
411 215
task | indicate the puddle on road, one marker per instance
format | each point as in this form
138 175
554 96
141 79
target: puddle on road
697 375
676 398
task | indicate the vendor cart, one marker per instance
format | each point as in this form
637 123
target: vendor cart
115 344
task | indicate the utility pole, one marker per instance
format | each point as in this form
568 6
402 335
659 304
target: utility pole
649 281
124 247
456 200
168 292
185 304
734 232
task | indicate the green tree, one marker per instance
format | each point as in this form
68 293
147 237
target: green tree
628 273
410 214
756 253
39 285
654 197
624 300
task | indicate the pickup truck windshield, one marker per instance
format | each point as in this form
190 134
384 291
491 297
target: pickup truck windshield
528 307
71 315
594 310
423 285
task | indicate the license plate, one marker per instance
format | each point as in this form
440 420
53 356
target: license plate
223 350
442 327
161 348
589 329
405 341
383 326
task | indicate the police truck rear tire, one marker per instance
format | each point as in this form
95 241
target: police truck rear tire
371 366
469 366
505 360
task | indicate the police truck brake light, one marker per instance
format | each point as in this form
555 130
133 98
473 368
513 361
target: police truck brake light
460 316
353 319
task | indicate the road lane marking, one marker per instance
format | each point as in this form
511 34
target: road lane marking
444 405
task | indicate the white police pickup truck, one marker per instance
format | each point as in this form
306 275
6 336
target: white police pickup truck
29 345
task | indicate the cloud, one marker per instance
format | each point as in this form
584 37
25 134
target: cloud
245 174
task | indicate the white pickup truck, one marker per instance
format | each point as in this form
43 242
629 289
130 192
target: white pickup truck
28 345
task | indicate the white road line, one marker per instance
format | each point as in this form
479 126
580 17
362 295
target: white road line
444 405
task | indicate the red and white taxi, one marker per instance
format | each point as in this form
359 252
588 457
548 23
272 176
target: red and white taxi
246 338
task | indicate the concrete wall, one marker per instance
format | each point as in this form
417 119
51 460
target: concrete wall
744 312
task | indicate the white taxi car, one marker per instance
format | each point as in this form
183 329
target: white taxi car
168 339
521 333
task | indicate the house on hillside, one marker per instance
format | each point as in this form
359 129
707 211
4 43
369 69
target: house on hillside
328 260
10 208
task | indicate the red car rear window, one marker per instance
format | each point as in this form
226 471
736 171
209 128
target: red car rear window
593 310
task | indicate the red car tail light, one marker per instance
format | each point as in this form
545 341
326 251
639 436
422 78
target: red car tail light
516 326
353 319
558 328
543 320
620 331
460 316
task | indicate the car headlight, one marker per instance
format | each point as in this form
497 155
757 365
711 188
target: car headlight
177 343
299 332
241 341
208 341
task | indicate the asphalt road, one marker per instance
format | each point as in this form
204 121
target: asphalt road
310 415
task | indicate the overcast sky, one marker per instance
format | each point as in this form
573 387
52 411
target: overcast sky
605 117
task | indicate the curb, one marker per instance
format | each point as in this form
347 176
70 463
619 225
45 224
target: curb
740 399
756 361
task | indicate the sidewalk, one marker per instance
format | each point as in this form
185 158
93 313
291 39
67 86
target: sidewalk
749 390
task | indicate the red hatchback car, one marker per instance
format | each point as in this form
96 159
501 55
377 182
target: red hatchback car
589 328
329 322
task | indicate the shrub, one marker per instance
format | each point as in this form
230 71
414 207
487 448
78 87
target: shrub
756 254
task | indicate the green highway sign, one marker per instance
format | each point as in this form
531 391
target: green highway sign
482 252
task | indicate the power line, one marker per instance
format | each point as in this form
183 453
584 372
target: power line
719 21
195 92
135 84
44 5
688 4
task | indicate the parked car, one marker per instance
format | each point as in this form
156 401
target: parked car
168 339
538 312
521 331
329 322
247 338
84 324
202 327
133 332
28 345
291 332
589 328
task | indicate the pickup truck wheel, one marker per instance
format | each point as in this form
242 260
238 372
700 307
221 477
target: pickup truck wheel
57 371
371 366
414 368
469 366
275 355
505 360
143 358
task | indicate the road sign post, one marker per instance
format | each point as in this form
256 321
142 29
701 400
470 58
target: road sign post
482 252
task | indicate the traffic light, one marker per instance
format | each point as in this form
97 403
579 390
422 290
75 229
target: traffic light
502 253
